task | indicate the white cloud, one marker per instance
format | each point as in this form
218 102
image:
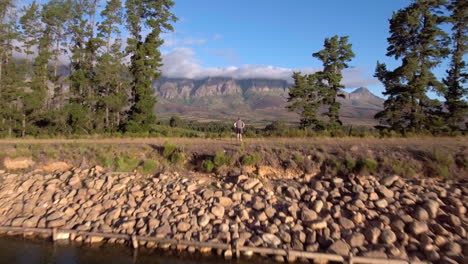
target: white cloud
217 36
181 63
171 41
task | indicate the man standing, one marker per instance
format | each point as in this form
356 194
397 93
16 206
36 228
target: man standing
239 126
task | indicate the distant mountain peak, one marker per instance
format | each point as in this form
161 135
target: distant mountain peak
362 90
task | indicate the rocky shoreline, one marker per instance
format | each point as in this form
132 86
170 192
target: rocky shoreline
387 217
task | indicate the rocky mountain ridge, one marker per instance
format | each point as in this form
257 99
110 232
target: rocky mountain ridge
217 98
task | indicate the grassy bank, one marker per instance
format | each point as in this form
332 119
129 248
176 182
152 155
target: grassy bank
444 158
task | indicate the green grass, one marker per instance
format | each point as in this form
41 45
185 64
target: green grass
126 164
149 166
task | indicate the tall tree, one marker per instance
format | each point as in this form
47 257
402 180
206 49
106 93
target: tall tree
416 39
33 99
155 16
305 97
456 92
8 67
334 56
111 73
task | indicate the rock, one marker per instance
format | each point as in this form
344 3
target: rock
317 206
224 202
387 193
356 240
322 224
74 181
258 205
339 247
19 163
375 254
453 249
163 230
454 220
270 212
388 237
56 223
308 215
418 227
382 203
203 220
421 214
112 215
389 180
56 166
217 211
372 235
432 207
346 223
249 184
271 239
183 227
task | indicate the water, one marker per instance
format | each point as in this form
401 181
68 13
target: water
19 251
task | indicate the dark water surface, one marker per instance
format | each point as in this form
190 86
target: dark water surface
21 251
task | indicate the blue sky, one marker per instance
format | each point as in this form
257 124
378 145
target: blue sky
213 35
273 38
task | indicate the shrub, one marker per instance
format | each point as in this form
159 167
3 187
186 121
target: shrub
149 166
350 163
221 159
126 164
177 157
367 166
402 168
208 165
169 149
251 159
299 159
441 165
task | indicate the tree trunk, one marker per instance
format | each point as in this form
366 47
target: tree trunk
23 132
10 130
107 118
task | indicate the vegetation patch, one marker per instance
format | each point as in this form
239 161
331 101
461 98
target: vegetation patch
149 166
367 166
126 164
207 165
251 159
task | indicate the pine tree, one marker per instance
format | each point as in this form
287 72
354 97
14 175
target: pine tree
9 74
111 73
418 41
334 56
457 92
145 56
33 100
305 98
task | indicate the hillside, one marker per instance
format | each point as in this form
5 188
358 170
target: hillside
259 100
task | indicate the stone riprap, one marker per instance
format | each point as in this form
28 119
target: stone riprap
389 217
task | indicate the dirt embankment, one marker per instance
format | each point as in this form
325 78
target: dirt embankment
441 158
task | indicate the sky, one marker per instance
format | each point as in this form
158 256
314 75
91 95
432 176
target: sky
273 38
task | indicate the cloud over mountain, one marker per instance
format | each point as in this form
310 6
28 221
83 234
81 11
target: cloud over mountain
181 63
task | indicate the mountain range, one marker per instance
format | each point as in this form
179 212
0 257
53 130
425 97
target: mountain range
256 100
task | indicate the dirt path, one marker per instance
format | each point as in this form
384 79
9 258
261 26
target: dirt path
424 141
